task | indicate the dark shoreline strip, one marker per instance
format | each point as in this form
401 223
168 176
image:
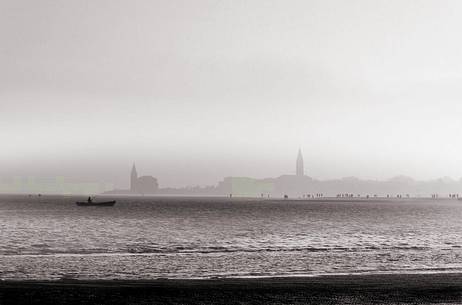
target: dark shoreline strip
358 289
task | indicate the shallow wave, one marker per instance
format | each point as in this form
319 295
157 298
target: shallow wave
318 274
209 250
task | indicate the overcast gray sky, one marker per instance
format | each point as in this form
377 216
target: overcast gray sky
197 90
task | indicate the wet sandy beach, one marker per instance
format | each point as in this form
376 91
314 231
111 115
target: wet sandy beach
358 289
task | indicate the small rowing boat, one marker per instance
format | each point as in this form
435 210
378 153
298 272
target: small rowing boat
95 203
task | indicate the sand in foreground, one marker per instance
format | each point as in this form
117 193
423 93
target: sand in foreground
364 289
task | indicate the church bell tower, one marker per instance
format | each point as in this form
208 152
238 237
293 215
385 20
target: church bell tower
133 178
299 164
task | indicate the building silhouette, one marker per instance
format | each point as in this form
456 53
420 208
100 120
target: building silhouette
143 184
299 164
133 178
296 185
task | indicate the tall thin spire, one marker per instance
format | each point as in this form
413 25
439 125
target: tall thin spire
133 178
299 167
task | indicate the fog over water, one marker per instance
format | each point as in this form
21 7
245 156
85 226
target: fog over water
197 90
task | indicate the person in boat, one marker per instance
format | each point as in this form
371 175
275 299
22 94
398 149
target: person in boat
89 200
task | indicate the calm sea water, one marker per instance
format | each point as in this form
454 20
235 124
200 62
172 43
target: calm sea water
146 238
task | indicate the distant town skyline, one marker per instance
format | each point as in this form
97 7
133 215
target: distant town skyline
296 184
117 173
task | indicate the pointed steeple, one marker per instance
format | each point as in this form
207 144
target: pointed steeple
299 167
133 178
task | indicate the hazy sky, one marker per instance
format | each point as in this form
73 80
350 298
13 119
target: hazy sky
197 90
